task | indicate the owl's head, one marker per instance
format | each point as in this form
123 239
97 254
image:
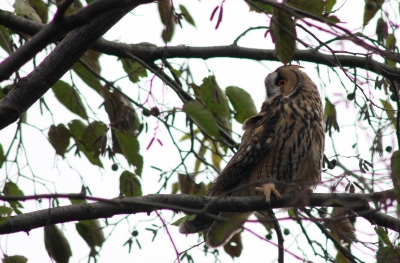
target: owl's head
285 81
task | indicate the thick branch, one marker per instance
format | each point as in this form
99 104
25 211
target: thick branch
61 26
29 89
189 204
149 52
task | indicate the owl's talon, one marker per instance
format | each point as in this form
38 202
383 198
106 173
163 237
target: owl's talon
267 189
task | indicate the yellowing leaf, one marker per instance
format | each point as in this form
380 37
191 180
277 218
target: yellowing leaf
383 236
186 15
23 9
68 97
59 138
40 8
215 155
129 184
5 213
130 148
200 153
390 112
370 9
56 244
283 34
202 117
241 102
5 40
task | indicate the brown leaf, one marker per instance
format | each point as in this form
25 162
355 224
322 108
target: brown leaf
59 138
234 246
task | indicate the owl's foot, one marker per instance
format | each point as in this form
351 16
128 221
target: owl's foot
267 189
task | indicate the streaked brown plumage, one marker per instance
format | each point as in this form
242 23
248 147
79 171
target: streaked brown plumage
281 151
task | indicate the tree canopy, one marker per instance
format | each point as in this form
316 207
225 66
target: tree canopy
145 111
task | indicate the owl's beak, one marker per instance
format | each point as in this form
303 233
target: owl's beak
272 89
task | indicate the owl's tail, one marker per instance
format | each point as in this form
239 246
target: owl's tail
198 224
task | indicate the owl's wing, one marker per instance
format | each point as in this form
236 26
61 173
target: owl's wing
258 138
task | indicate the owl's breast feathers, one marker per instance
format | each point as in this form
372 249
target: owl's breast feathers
283 143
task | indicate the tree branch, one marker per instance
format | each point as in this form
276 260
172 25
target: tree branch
61 26
189 204
149 52
29 89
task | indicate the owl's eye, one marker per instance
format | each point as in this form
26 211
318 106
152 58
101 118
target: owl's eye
282 82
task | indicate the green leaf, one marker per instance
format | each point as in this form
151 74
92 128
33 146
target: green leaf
5 213
388 255
23 9
164 9
77 129
186 15
68 97
134 70
91 232
383 236
91 59
202 117
1 155
390 112
59 138
370 9
129 184
92 136
179 221
5 39
15 259
11 189
395 175
283 33
56 244
216 102
381 30
329 5
130 148
315 7
330 117
241 102
260 7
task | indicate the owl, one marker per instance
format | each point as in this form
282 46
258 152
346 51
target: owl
281 151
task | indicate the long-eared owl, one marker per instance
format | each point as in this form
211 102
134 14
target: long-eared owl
281 151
